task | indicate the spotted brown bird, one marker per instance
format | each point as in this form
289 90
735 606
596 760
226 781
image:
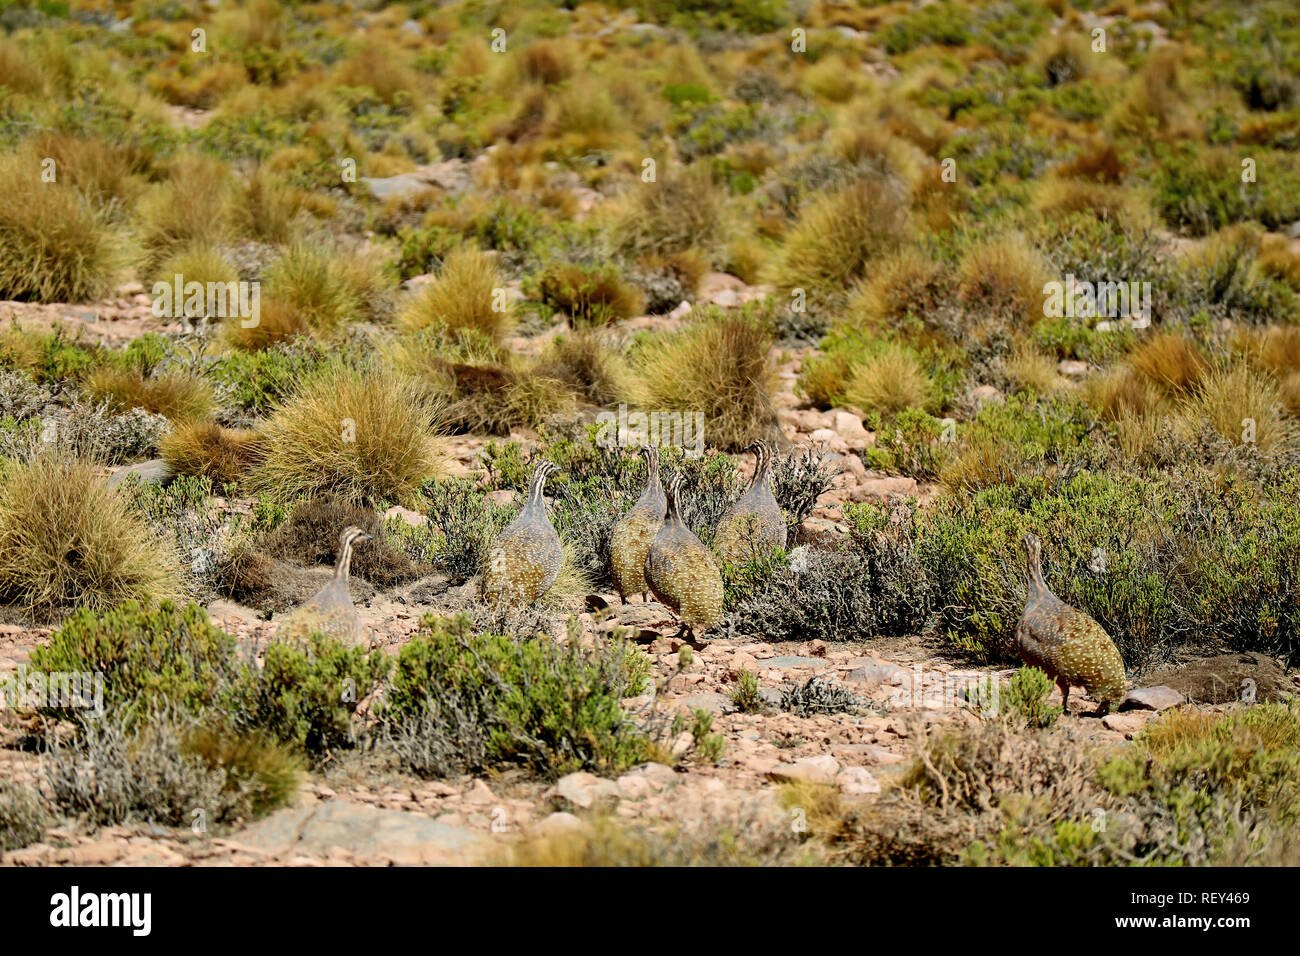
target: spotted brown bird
754 524
330 610
523 562
681 571
630 541
1068 645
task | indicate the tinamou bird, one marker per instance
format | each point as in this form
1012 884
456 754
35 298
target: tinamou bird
525 559
1068 645
681 571
754 524
330 610
630 540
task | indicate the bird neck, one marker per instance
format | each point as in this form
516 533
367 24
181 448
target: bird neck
1034 576
535 489
345 561
672 514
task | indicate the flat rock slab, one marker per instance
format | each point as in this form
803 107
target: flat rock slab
363 831
791 661
152 472
713 702
1152 698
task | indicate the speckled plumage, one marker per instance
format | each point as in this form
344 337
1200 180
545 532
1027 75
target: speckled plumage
630 541
1068 645
523 562
330 610
754 524
681 571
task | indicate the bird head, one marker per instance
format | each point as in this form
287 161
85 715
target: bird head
354 535
1033 546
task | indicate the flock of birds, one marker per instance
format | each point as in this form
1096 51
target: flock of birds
654 552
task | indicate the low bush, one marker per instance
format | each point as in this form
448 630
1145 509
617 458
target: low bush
552 708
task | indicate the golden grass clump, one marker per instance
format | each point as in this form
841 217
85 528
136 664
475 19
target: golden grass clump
196 203
585 362
1123 391
1116 205
717 365
594 295
889 382
468 295
56 246
174 394
1243 405
100 170
67 540
1003 276
1170 361
380 68
1032 370
905 283
206 449
683 210
840 235
1154 104
199 262
362 436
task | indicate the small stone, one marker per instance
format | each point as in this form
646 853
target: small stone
1128 724
857 781
820 769
982 395
560 823
1071 368
1159 697
585 791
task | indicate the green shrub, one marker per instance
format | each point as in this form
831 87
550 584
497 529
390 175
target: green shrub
306 692
467 524
745 694
156 659
552 708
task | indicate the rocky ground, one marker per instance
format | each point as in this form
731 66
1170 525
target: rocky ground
350 814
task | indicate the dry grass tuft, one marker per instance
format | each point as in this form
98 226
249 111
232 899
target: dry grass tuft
176 395
1004 277
56 246
463 298
67 540
840 236
1243 405
889 382
718 365
360 436
204 448
1170 361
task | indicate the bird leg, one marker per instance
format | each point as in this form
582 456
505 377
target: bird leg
1065 697
1102 709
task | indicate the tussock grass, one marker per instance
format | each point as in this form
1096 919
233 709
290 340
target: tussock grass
906 283
462 298
840 236
195 204
210 451
176 395
199 262
1003 277
584 361
717 365
593 295
888 382
1237 401
360 436
56 246
67 540
1170 361
683 210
